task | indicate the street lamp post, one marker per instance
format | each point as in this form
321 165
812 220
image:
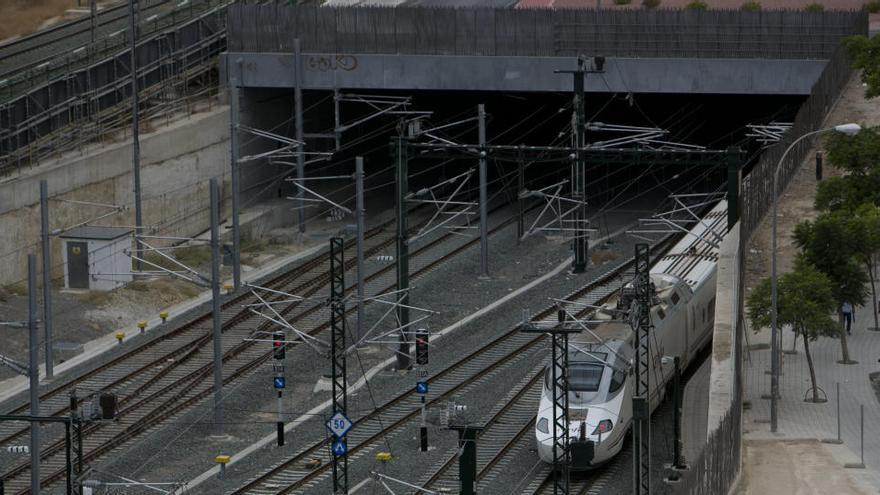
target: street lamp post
849 129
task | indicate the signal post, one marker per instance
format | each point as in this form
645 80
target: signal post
278 381
422 337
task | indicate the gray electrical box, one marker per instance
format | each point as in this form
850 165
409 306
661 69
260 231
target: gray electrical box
96 258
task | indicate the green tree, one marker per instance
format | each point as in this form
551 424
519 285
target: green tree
857 154
804 303
865 232
864 54
859 157
828 244
845 193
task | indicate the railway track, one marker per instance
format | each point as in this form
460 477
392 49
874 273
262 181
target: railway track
180 382
371 429
36 48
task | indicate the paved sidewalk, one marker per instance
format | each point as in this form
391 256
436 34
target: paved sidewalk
805 420
784 462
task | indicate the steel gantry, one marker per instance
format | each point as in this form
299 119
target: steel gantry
559 378
563 205
337 354
640 319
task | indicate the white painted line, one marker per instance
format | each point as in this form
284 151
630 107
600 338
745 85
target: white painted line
271 438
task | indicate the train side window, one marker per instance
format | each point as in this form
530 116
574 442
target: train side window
675 298
617 380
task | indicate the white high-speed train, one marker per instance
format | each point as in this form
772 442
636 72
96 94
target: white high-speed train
601 378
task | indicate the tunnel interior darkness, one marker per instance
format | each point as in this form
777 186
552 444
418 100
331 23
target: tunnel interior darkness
540 119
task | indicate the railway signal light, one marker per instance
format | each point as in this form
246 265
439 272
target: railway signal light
278 345
422 346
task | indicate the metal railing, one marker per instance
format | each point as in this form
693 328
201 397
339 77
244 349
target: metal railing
91 105
24 77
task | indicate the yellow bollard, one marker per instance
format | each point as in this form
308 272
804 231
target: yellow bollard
222 460
228 288
120 335
142 325
163 315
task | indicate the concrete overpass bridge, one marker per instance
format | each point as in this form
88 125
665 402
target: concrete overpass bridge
512 50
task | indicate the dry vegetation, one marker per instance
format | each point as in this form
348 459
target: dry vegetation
19 17
599 256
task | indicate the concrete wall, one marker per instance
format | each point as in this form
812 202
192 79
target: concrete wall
722 377
516 73
176 161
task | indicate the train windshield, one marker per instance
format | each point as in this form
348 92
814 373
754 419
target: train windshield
585 373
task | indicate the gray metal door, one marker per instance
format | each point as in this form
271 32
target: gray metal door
78 265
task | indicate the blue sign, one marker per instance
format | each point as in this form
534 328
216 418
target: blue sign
278 382
339 424
339 448
422 387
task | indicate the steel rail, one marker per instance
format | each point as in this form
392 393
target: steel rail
512 337
171 406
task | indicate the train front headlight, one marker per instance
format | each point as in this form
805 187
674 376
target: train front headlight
603 427
543 425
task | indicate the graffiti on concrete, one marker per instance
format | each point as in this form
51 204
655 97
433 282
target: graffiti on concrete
328 63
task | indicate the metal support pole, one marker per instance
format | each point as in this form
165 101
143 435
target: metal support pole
298 111
423 429
74 421
401 190
484 195
337 354
734 180
677 461
337 122
642 393
34 373
559 376
774 333
234 116
78 465
862 432
215 300
135 134
93 17
68 465
520 187
559 379
578 179
359 214
467 461
47 277
861 464
280 423
839 439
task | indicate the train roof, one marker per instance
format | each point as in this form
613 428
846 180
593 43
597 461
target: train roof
693 259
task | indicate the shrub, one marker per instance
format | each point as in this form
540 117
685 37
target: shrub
815 7
750 6
697 5
650 4
627 2
873 6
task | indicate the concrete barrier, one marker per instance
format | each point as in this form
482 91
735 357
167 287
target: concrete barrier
176 163
723 373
